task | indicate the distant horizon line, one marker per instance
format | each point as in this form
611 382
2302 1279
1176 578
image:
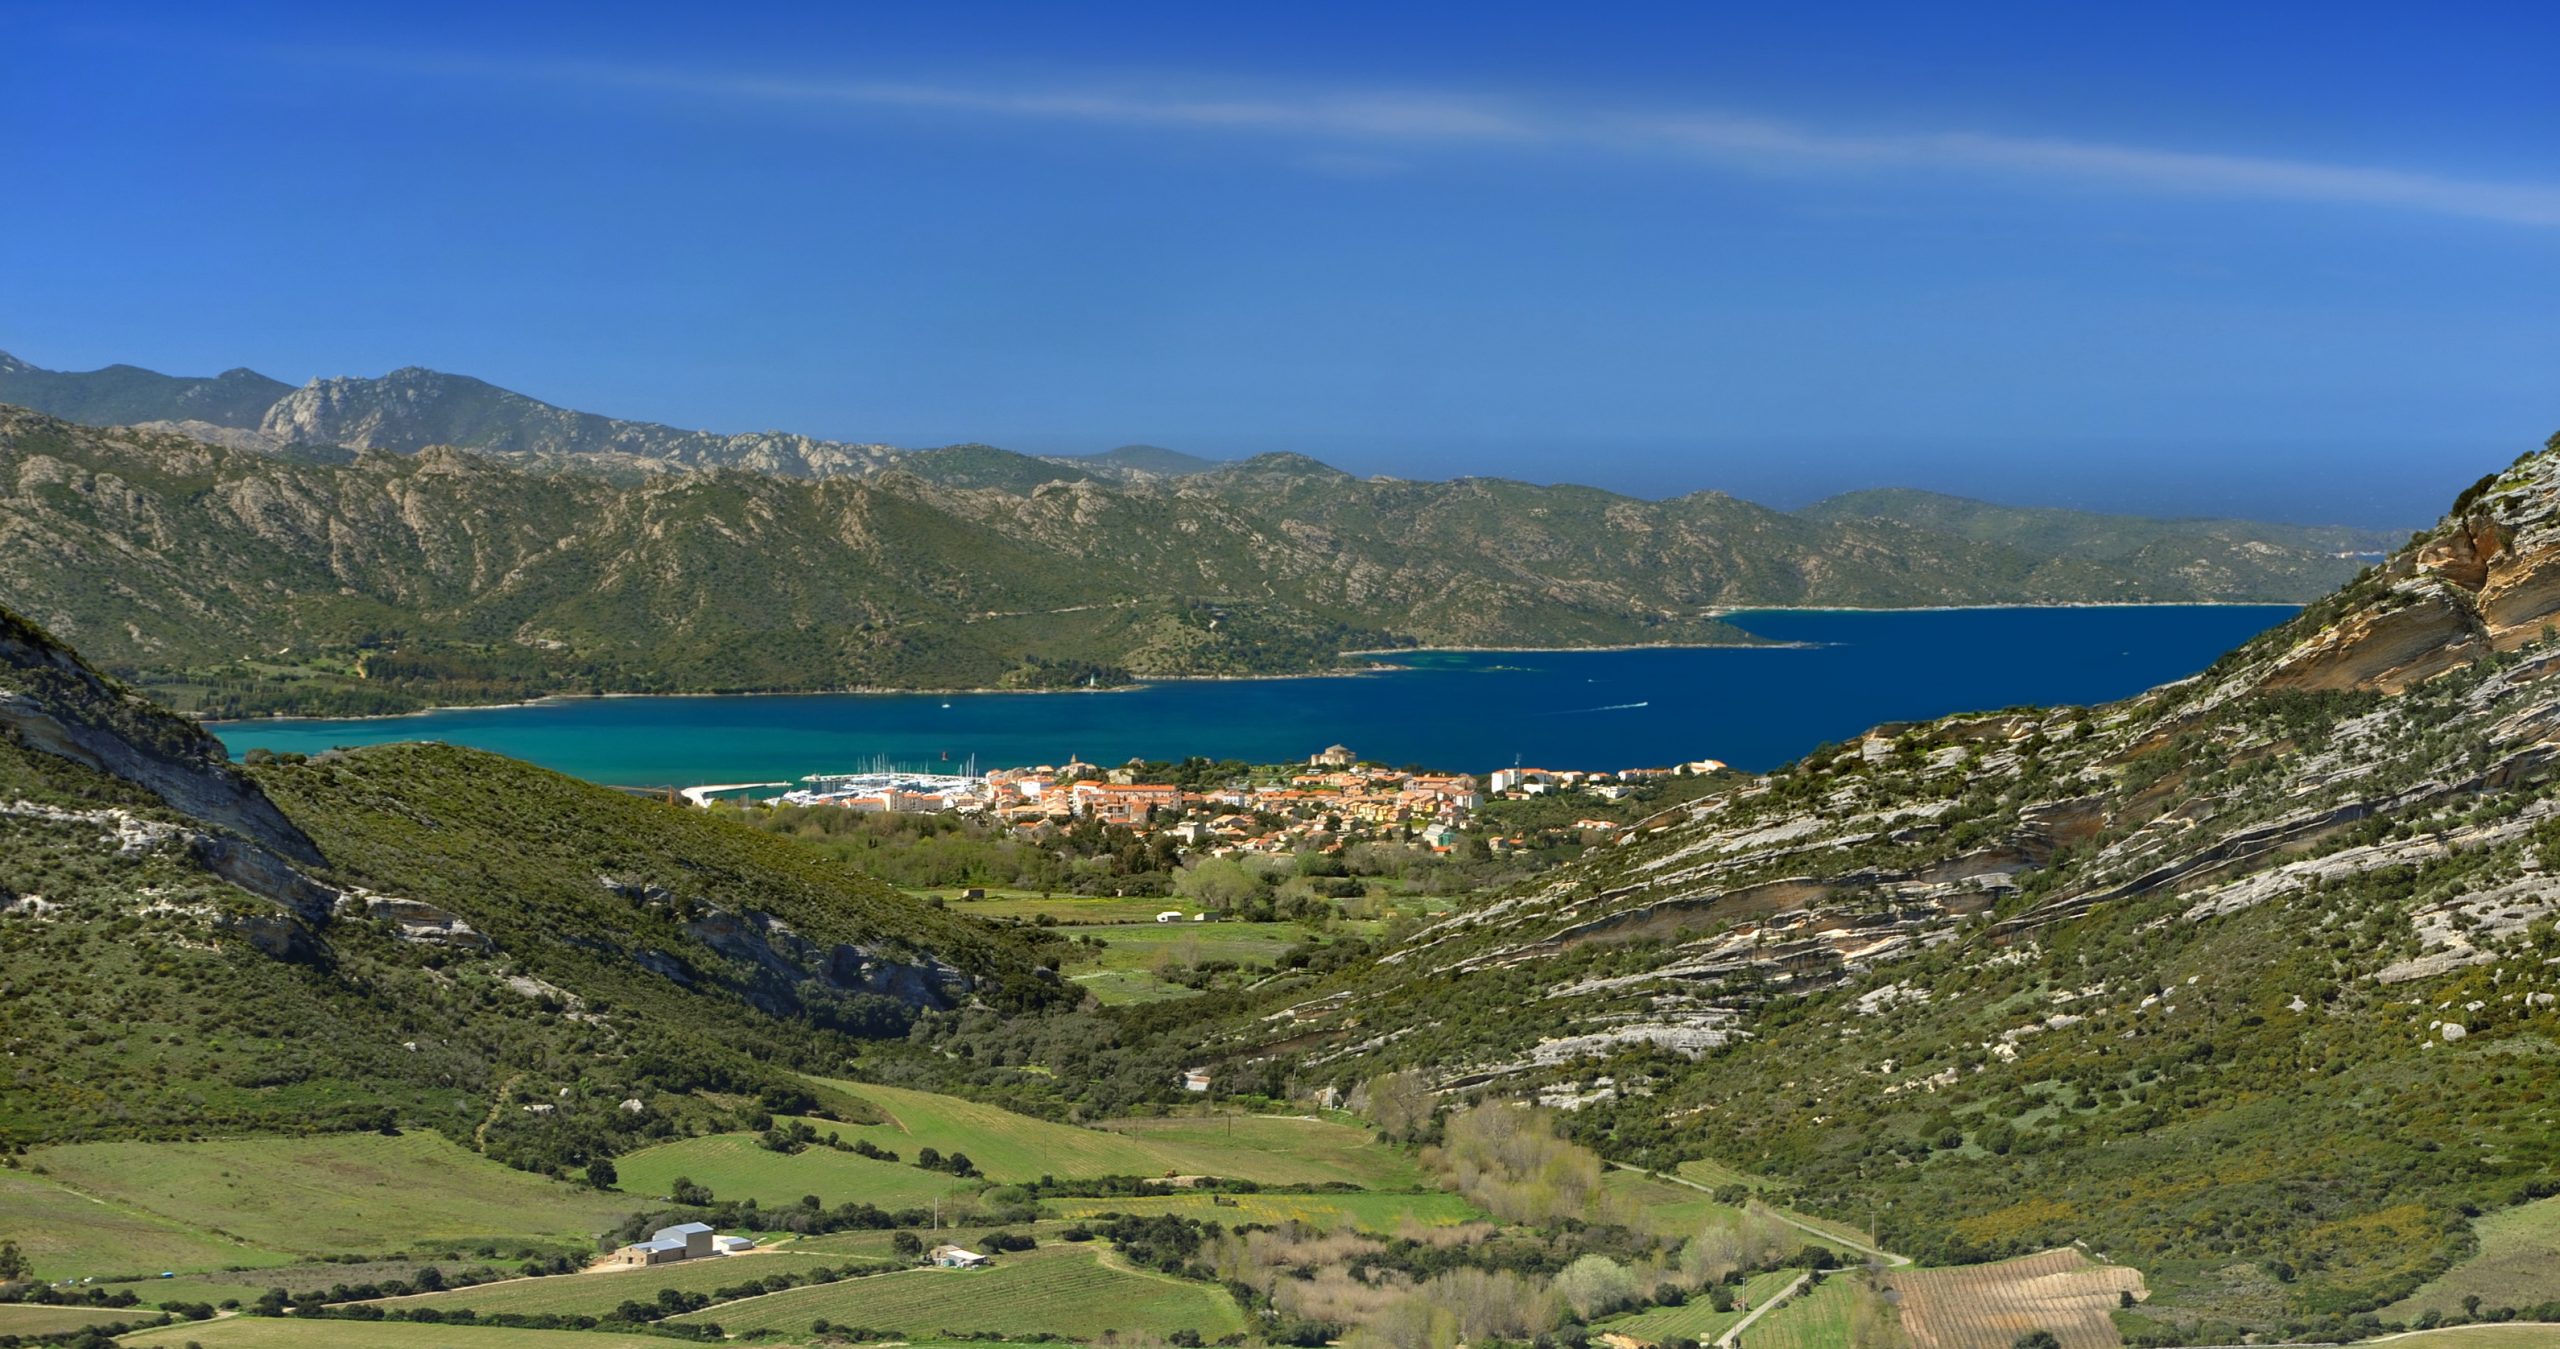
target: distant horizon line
1229 458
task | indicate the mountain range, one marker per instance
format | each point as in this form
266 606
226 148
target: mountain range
2245 981
381 545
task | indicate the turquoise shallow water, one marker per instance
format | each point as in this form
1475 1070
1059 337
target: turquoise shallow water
1752 707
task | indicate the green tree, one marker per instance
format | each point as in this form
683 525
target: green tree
13 1263
601 1175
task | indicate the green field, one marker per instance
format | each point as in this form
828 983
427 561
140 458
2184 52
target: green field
1119 988
736 1168
1123 970
1142 945
2518 1265
1717 1175
1817 1318
330 1194
71 1235
1383 1214
1066 1290
1011 1147
2532 1335
1072 910
1665 1209
601 1292
29 1319
270 1332
1280 1149
1698 1318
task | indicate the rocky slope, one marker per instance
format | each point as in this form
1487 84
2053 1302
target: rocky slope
243 581
412 932
2249 980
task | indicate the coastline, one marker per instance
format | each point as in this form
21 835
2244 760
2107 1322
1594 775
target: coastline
1376 666
858 691
1727 612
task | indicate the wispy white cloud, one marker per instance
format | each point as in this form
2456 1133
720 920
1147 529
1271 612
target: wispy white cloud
1360 123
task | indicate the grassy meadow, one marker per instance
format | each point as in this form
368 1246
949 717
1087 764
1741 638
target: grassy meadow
1011 1147
1378 1214
1072 1290
2518 1265
198 1204
71 1235
735 1167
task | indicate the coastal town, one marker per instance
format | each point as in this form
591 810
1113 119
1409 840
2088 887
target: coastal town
1227 809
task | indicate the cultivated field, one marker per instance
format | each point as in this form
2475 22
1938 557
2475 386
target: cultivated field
1382 1214
600 1292
331 1194
28 1319
71 1235
268 1332
2518 1265
1280 1150
1007 1146
736 1168
1698 1318
1817 1318
1065 1290
2063 1291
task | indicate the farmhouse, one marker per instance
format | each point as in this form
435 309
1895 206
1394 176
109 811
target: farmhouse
952 1257
1195 1079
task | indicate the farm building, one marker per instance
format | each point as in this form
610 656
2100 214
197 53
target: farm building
684 1241
952 1257
1195 1079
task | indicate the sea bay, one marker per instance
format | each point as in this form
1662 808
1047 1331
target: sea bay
1754 707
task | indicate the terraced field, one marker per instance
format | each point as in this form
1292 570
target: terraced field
1383 1214
1698 1318
71 1235
1065 1290
736 1168
1007 1146
2518 1265
330 1194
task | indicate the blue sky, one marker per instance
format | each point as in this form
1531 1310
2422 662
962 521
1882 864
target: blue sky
2282 260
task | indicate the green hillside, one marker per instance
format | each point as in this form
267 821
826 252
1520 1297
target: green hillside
230 581
420 936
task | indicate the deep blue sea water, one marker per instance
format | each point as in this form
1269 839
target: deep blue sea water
1754 708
